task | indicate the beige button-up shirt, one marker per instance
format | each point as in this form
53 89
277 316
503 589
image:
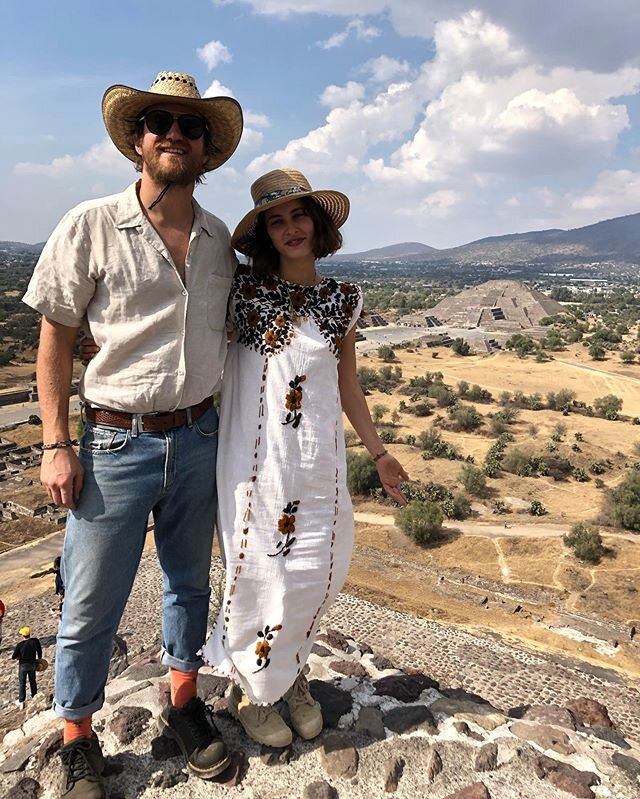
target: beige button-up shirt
162 342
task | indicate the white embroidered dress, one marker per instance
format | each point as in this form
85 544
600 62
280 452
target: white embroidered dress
285 516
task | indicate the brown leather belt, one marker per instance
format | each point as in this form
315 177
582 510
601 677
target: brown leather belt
148 422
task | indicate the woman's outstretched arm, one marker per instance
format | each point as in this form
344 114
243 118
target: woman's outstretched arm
354 404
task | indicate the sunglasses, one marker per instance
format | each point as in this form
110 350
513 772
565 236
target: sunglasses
160 123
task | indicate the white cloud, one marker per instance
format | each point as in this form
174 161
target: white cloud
615 193
259 120
217 89
251 139
438 204
337 96
102 158
383 68
214 53
357 27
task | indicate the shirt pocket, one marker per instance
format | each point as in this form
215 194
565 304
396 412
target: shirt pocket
217 298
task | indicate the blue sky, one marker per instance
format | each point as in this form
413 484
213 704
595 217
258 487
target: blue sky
443 120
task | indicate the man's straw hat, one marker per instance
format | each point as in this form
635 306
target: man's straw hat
122 106
280 186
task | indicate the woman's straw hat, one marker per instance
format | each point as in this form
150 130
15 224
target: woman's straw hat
122 106
280 186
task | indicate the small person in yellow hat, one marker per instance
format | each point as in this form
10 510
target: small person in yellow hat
27 652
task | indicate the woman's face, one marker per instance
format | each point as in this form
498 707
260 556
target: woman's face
290 229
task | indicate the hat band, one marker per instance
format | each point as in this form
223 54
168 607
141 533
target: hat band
278 193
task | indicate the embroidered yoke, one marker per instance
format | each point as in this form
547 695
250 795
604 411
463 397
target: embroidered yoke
285 516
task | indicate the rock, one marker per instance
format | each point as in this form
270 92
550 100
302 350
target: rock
221 709
127 723
339 758
628 764
235 772
566 777
275 757
168 778
482 714
589 713
18 760
546 737
211 687
27 788
382 663
476 791
433 765
349 668
118 662
365 649
370 723
410 718
164 748
321 651
550 714
147 671
392 772
606 734
487 758
465 696
463 728
335 639
405 687
113 766
319 790
48 748
333 701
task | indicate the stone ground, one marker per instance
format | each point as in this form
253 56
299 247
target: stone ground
504 675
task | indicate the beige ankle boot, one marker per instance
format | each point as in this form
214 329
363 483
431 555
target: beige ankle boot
261 722
304 711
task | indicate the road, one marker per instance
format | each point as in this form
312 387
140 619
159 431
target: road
489 530
11 414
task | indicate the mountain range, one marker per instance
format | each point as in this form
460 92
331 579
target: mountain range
615 239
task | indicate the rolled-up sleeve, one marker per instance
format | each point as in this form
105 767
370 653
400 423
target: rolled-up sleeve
61 286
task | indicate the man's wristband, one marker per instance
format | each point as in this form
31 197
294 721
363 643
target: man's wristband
60 444
377 457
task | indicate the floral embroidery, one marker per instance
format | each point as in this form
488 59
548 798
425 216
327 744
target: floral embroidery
263 647
287 526
293 401
267 309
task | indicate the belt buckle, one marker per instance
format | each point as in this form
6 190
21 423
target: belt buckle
137 422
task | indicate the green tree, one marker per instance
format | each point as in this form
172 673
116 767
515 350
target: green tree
421 520
460 346
586 542
537 508
473 479
625 502
608 407
362 474
627 357
597 351
378 412
386 353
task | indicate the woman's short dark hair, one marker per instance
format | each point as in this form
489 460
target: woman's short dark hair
137 132
327 239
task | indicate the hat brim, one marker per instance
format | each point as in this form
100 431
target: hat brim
334 203
122 106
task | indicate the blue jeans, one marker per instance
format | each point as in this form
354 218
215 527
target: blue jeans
127 477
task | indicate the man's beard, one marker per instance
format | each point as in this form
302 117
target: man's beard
179 171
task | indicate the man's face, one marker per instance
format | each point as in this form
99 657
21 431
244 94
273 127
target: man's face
171 158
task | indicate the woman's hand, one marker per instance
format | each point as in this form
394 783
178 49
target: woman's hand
391 475
88 350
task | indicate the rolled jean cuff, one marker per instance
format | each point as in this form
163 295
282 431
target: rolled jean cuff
78 713
181 665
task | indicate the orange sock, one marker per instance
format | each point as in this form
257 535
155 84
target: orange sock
183 686
73 730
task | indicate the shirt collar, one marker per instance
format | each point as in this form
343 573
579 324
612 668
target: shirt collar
129 213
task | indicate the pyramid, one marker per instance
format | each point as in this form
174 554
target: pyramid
496 305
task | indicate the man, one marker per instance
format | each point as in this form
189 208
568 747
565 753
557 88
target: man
2 612
149 272
27 652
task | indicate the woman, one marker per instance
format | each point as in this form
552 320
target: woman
285 516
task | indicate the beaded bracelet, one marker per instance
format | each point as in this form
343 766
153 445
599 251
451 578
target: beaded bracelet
60 444
377 457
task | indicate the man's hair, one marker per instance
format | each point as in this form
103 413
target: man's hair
137 132
265 259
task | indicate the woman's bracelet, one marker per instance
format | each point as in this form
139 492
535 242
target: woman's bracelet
377 457
60 444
